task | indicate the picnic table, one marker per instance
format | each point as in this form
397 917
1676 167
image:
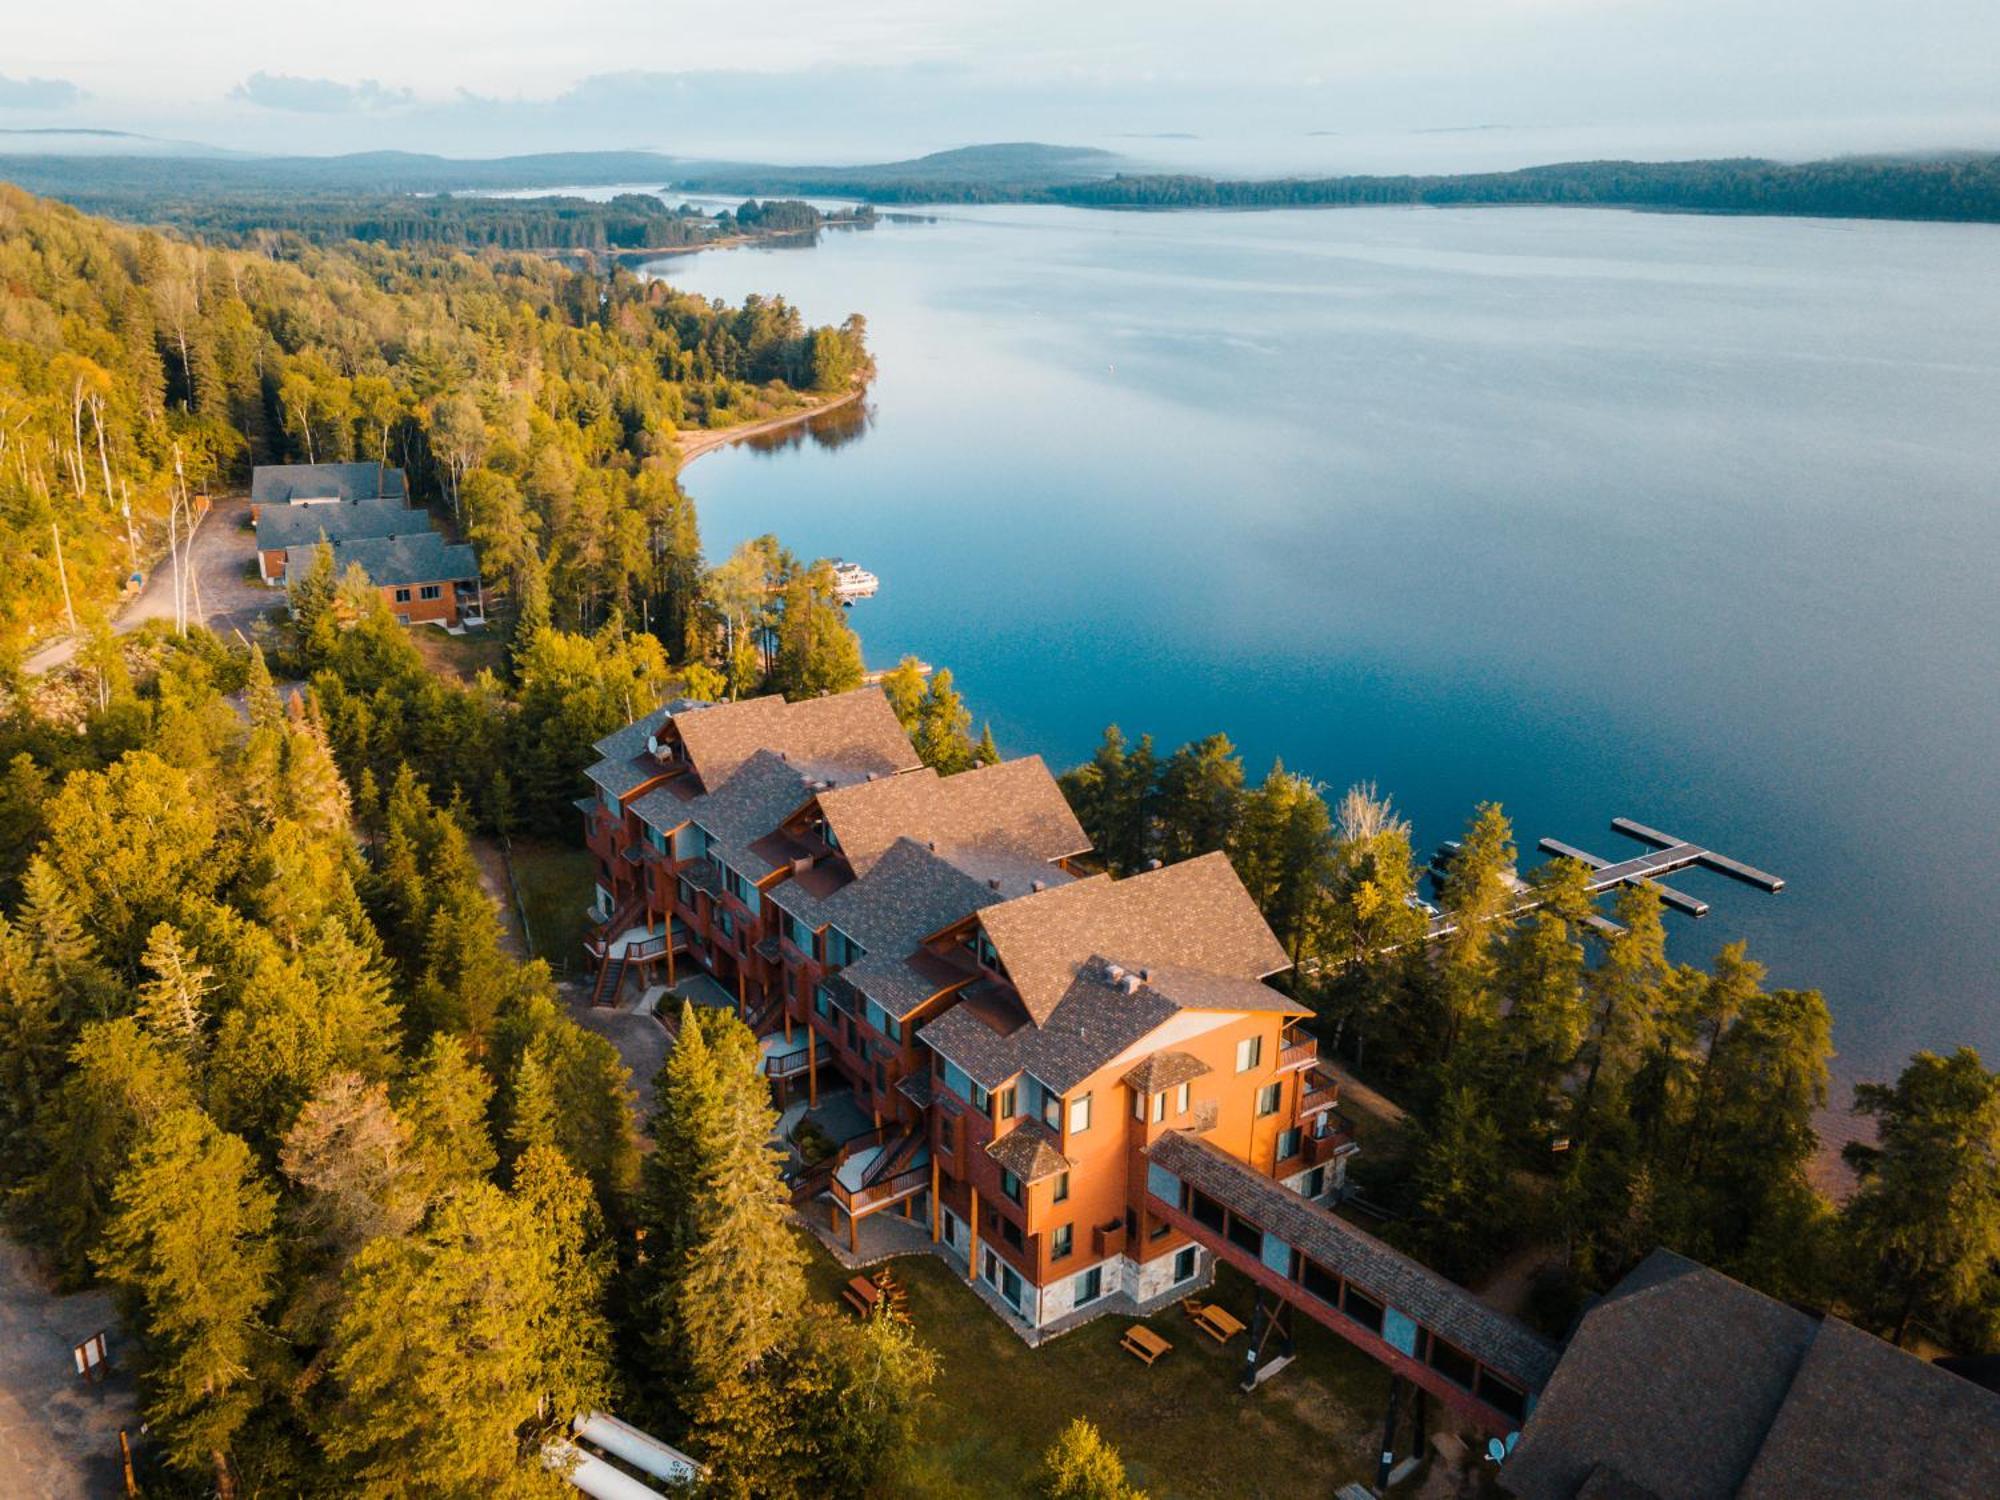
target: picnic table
1215 1321
862 1294
1143 1344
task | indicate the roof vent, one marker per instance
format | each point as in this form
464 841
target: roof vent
1152 864
1131 983
786 755
871 775
801 865
993 882
1040 885
1114 972
931 844
1145 976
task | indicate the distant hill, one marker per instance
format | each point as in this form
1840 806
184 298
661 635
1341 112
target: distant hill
1013 170
124 184
72 141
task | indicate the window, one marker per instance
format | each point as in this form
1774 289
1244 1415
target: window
1090 1285
1010 1185
1008 1097
1451 1362
802 937
1315 1183
956 1079
983 949
1322 1283
1205 1210
1159 1106
1010 1285
1161 1229
1246 1236
1011 1232
1062 1240
1061 1194
1079 1115
823 1005
687 895
1052 1111
841 949
885 1023
1138 1105
1268 1098
1509 1400
1186 1263
1364 1309
1288 1146
727 922
431 591
402 596
1249 1052
1181 1099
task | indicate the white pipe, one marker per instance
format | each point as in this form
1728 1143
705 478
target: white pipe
594 1476
639 1449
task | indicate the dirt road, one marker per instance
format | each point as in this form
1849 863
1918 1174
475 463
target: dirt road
230 597
58 1437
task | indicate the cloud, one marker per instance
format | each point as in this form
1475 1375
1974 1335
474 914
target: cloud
38 93
318 96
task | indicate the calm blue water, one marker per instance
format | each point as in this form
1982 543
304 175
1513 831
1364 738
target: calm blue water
1692 520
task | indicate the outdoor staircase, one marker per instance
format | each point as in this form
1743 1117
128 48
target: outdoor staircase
610 977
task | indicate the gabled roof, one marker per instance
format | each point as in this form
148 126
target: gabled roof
844 736
280 527
394 560
1193 916
746 806
1031 1151
1165 1070
283 484
1682 1382
1013 808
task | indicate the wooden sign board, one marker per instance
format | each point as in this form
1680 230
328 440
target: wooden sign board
93 1357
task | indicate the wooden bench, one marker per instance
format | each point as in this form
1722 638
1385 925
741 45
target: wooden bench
1217 1323
1143 1344
861 1294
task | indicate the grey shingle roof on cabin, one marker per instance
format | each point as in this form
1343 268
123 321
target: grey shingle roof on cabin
281 527
1031 1151
848 735
285 484
1013 808
1446 1308
391 562
1165 1070
1683 1383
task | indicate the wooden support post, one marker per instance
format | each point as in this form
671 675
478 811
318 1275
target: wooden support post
853 1234
671 981
937 1206
1389 1434
972 1256
812 1069
742 1004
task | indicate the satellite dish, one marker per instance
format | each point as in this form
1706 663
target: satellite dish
1495 1450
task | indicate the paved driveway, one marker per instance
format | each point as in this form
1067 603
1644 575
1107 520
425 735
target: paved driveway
58 1437
222 560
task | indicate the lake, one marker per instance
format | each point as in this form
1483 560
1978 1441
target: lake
1691 520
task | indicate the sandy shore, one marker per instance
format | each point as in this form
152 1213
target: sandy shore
697 441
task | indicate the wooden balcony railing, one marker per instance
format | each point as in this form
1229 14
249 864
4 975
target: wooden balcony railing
1322 1092
1298 1051
1320 1149
883 1190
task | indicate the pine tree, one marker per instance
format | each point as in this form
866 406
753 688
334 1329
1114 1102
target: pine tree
173 1003
1924 1230
444 1102
903 685
189 1247
732 1275
1200 798
31 1046
818 651
944 724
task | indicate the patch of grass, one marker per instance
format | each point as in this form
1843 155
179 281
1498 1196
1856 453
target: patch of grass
557 886
462 657
1182 1426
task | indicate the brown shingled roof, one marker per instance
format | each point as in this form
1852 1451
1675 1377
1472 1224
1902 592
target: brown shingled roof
1015 805
1192 916
1030 1151
856 733
1165 1070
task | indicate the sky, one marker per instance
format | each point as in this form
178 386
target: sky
1267 85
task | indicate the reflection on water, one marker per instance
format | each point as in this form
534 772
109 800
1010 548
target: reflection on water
1683 519
828 429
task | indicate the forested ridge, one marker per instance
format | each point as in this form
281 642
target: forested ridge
1954 188
536 405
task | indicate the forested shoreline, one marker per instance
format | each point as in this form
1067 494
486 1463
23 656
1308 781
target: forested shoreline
1965 188
535 405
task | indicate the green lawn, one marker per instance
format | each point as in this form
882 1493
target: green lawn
557 886
1182 1425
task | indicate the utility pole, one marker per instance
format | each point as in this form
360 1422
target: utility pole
69 606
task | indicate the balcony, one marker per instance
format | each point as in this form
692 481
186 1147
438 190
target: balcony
1298 1048
1108 1239
1322 1092
1337 1141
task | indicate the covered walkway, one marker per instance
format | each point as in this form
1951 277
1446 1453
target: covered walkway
1425 1328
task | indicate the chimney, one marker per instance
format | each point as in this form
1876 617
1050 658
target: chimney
993 882
931 844
1132 982
1115 973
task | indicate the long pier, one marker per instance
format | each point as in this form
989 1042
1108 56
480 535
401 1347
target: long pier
1669 855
